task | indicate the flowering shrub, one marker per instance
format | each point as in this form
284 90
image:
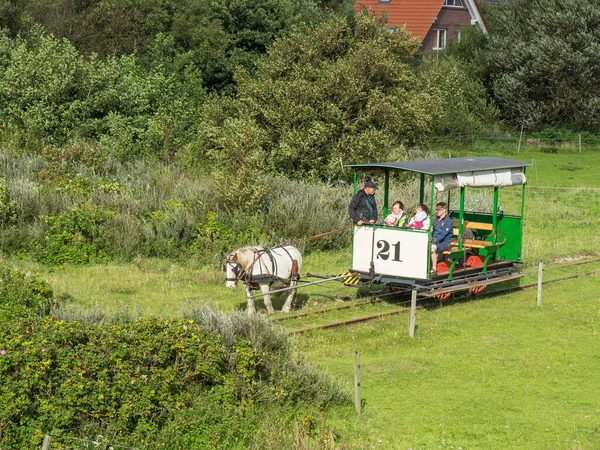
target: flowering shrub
131 377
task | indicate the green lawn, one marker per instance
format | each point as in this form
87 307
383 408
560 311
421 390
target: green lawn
495 373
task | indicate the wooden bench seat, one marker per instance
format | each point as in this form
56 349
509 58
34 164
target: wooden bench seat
473 225
468 243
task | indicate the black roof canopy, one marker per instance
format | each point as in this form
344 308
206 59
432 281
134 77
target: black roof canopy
447 166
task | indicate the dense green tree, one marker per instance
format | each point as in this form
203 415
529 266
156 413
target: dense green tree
50 95
341 93
463 96
543 62
220 35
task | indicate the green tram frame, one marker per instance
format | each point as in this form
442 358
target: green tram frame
499 243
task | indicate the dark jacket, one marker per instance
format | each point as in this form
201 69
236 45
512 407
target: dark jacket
363 207
442 230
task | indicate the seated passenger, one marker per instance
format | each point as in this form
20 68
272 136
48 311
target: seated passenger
442 234
420 221
397 217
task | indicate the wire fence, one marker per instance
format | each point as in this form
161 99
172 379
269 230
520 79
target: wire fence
520 139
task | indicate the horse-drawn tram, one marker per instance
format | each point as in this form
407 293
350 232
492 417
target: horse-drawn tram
485 245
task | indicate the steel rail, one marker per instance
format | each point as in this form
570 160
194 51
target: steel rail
377 316
321 311
350 321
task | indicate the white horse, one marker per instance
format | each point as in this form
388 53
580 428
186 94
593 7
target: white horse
266 269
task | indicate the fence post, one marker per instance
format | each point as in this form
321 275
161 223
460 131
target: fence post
580 143
47 440
520 137
413 314
357 400
539 294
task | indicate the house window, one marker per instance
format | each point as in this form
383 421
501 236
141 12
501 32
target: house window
392 29
453 3
384 1
439 39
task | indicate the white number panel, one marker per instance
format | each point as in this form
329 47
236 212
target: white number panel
394 252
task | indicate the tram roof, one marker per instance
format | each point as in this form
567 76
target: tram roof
447 166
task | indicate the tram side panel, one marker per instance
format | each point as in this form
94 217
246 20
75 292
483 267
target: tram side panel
395 252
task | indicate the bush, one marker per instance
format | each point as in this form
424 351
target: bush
51 96
542 63
73 237
8 208
23 294
140 382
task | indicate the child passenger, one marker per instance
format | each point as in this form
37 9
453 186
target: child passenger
396 218
420 221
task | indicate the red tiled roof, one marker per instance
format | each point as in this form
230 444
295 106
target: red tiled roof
417 15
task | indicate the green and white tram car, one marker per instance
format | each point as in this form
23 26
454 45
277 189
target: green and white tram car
486 246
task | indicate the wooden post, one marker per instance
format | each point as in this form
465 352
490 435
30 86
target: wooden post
413 314
357 400
580 143
520 137
47 440
539 294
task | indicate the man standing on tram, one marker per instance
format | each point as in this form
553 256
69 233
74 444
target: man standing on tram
363 207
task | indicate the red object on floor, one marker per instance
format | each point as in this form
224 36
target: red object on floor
443 267
475 261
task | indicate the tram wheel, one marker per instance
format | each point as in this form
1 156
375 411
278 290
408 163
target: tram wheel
476 290
442 297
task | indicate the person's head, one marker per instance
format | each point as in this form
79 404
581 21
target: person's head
397 207
440 209
423 207
420 216
370 187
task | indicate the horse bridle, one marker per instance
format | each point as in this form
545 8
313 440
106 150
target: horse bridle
237 268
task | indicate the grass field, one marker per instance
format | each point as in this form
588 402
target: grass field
494 373
490 373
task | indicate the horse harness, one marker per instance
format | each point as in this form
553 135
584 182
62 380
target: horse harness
249 278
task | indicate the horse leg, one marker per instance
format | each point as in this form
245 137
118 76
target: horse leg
265 288
251 310
293 282
287 306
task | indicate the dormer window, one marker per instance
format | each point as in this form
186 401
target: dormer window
457 3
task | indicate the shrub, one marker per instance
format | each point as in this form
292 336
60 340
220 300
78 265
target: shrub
297 379
73 237
8 207
141 382
23 294
542 63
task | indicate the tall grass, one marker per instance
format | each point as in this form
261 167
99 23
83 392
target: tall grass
159 210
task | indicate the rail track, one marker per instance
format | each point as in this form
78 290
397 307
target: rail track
394 303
